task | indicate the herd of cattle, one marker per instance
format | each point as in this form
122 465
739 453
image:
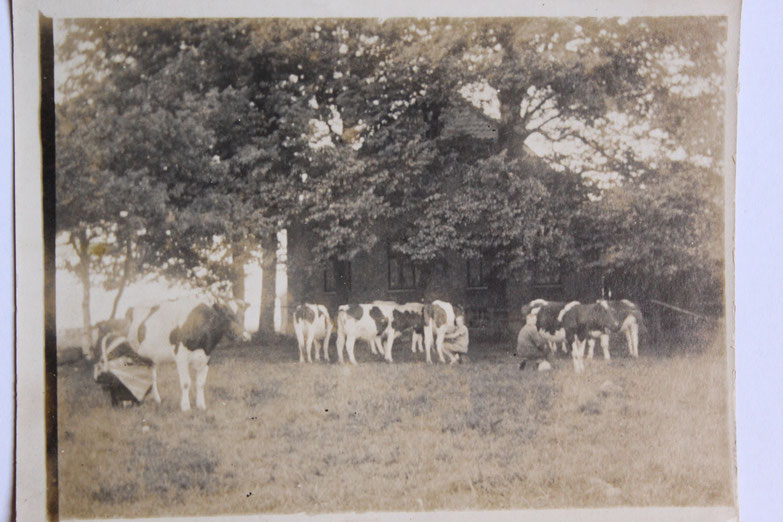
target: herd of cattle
571 324
187 332
376 323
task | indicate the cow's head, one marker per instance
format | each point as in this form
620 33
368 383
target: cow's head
233 312
606 316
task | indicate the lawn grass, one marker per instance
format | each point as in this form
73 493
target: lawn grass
284 437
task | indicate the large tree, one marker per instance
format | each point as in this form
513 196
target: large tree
339 128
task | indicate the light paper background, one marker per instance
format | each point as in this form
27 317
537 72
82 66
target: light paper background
759 214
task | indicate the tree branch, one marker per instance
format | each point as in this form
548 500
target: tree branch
544 122
529 112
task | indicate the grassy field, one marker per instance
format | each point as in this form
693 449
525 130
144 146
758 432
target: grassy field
283 437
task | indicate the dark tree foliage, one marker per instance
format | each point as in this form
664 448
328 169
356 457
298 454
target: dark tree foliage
195 140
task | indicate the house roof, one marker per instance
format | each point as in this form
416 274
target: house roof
466 120
463 119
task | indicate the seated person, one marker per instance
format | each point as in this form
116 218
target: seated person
455 340
532 347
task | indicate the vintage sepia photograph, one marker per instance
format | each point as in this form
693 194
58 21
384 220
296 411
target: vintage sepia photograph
405 264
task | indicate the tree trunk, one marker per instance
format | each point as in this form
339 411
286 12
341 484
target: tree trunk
123 281
238 272
510 123
266 322
83 271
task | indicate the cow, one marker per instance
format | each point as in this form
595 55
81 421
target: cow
120 370
366 322
630 317
185 331
549 320
439 316
534 306
102 329
584 321
406 317
312 325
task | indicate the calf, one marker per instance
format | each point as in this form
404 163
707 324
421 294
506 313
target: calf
312 324
366 322
184 331
581 322
630 318
439 316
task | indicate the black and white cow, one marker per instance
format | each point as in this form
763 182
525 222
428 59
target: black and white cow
405 317
439 316
630 318
549 320
365 322
312 325
534 306
582 322
185 331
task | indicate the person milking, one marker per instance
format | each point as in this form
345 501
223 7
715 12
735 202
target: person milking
532 347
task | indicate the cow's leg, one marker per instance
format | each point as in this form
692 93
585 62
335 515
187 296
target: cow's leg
155 394
317 345
590 348
183 369
582 345
439 343
632 336
326 341
605 346
340 345
310 336
349 344
428 342
301 342
379 349
564 346
389 344
577 354
201 364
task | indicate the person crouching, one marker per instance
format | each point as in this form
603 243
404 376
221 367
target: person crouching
455 341
531 347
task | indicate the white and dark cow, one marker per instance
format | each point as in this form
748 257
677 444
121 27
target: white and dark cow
581 322
439 316
365 322
312 325
549 320
534 306
630 318
405 317
185 331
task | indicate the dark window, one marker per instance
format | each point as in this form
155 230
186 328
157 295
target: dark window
337 275
547 286
477 276
403 274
